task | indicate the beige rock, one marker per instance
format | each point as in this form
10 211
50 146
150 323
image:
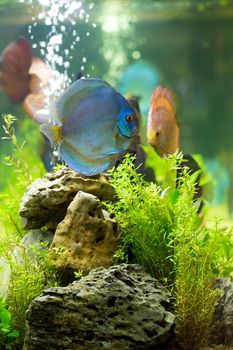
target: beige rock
87 236
46 200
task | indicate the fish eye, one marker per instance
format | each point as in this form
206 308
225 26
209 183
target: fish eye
129 118
157 133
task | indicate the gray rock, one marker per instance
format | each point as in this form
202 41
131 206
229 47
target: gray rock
87 236
222 327
120 308
32 243
46 200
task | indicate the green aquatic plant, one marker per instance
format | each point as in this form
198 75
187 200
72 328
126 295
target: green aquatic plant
195 267
20 165
78 274
18 157
162 231
145 219
8 333
31 270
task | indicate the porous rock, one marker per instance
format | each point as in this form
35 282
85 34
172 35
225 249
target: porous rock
120 308
222 327
87 236
46 199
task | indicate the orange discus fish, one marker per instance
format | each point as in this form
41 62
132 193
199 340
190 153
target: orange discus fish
163 132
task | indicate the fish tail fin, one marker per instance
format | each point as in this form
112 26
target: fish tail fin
52 132
163 97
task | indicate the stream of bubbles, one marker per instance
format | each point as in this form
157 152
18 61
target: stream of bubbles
63 18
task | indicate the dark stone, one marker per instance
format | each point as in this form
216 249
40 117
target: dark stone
222 327
120 308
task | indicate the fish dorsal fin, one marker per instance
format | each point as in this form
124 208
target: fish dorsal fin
77 92
164 98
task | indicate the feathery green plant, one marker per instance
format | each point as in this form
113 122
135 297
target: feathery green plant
28 275
162 231
8 334
32 270
195 267
19 168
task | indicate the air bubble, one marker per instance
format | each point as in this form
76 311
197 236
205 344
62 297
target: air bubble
63 17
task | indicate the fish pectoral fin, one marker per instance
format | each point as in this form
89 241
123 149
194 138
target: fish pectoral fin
52 132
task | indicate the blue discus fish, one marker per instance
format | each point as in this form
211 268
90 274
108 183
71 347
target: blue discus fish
92 126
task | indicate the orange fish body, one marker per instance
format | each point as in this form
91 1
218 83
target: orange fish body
163 132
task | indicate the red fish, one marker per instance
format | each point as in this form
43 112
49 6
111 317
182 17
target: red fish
15 62
163 132
22 77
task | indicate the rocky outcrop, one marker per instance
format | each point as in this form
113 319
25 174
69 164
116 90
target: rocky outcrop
121 308
222 327
83 235
46 200
87 236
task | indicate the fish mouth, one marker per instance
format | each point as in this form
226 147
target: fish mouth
126 136
119 132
